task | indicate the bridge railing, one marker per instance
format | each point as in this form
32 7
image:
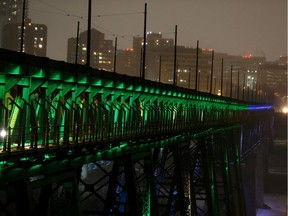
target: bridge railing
19 140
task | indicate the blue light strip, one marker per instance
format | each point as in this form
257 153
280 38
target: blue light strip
260 107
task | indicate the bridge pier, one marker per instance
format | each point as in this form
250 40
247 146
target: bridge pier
22 197
253 178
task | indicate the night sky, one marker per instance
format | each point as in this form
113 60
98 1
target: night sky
235 27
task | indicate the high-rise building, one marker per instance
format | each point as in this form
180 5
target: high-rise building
272 77
126 62
239 72
34 40
154 43
11 12
102 52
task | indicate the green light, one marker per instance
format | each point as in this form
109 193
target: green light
55 75
120 85
123 145
16 70
97 82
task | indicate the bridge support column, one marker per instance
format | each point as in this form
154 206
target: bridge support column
74 208
131 186
44 199
178 178
22 197
249 185
253 179
259 181
149 205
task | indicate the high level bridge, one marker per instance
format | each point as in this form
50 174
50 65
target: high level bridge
80 141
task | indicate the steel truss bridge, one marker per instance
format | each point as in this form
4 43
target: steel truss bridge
80 141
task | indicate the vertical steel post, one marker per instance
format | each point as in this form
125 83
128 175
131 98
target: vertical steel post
231 85
211 78
141 61
243 90
189 79
88 35
175 58
115 56
197 56
160 62
222 65
22 26
77 42
144 42
238 83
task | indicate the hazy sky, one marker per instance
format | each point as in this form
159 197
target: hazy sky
235 27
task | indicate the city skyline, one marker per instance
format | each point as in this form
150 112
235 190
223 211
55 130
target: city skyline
262 35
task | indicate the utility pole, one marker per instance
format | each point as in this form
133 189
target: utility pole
243 90
231 81
189 79
211 78
160 62
22 27
175 57
238 84
222 68
141 62
197 55
77 42
144 42
115 55
88 35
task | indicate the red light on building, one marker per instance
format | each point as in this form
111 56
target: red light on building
247 56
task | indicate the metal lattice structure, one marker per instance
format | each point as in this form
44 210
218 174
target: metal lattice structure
154 149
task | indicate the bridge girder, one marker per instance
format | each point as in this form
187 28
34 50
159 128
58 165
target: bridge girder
58 117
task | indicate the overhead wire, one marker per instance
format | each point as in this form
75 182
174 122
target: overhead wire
118 14
68 14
